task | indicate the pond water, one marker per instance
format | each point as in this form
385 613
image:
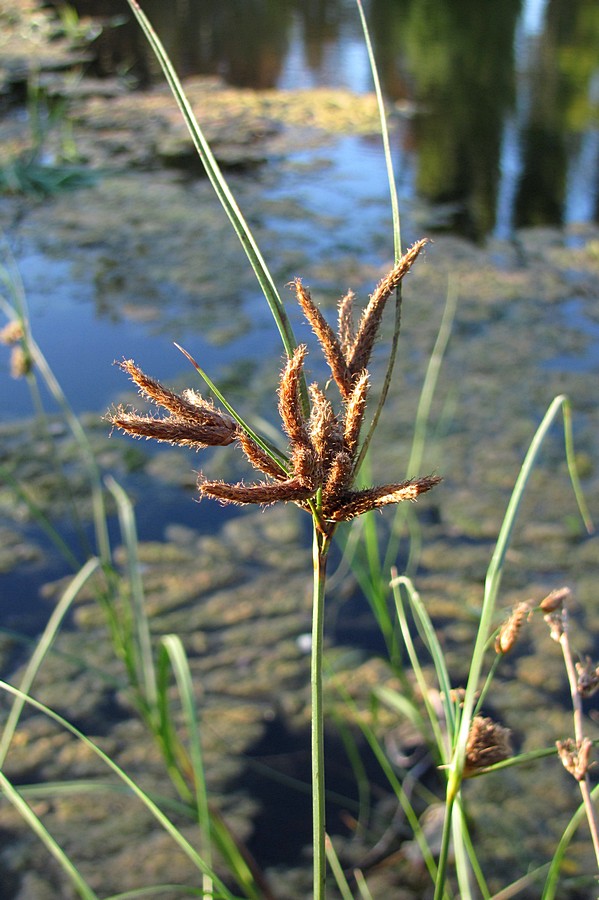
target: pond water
499 103
495 108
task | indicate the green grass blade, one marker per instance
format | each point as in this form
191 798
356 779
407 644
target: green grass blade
495 570
155 811
384 133
396 235
431 380
429 635
161 891
337 870
552 881
144 662
42 648
38 828
362 886
219 184
180 665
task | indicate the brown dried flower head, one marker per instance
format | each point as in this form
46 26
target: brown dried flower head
318 471
510 630
588 677
557 599
575 756
488 743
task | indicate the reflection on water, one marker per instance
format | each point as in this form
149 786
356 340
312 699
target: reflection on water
499 103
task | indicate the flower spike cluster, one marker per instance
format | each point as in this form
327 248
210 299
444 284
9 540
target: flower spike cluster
319 470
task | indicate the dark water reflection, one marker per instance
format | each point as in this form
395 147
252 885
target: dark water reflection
498 104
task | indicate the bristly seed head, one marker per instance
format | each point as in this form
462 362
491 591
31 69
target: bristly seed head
488 743
510 630
318 471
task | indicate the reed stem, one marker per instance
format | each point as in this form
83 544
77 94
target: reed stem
321 547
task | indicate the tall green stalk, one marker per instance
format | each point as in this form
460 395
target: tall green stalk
321 547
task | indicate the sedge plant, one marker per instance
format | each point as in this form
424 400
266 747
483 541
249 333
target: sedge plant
325 445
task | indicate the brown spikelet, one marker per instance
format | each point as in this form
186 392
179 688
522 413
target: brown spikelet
346 329
173 430
488 743
325 433
370 321
575 756
355 503
12 333
588 677
157 393
354 412
262 493
337 481
327 339
307 468
20 362
290 407
557 599
510 630
258 457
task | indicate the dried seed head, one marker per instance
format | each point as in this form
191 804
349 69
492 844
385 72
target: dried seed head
20 362
355 503
588 677
262 493
326 337
575 757
488 743
325 433
370 321
557 624
347 334
12 333
354 412
556 599
509 631
259 459
193 421
290 406
338 480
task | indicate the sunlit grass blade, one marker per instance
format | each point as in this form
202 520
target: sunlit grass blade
492 583
429 635
174 648
144 660
337 870
38 828
431 379
396 234
495 570
384 132
156 812
219 184
160 891
395 782
363 888
42 648
551 885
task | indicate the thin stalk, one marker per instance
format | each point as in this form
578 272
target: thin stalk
584 783
321 547
444 851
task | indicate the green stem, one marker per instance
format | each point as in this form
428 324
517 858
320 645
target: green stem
321 547
444 852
